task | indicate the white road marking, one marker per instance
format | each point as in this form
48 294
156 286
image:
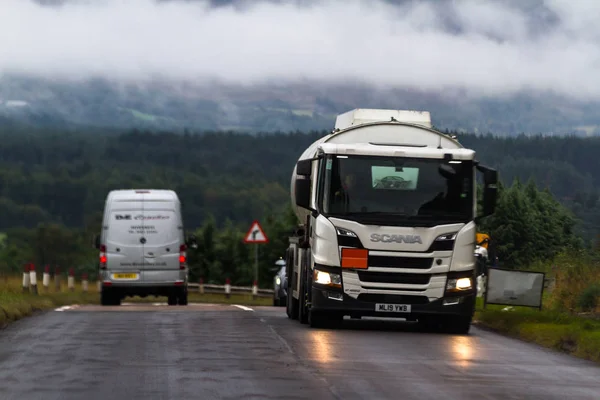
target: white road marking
63 308
243 307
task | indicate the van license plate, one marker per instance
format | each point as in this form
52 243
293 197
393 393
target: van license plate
398 308
125 276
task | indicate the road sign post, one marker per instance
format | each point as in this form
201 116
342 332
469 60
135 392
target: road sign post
257 236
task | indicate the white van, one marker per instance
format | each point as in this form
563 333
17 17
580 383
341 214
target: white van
142 247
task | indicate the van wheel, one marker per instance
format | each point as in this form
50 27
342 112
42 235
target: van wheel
172 300
109 298
105 298
183 298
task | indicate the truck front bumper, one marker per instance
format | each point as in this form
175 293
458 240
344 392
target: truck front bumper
452 305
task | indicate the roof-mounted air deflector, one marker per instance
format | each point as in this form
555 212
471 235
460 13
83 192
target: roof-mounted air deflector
361 116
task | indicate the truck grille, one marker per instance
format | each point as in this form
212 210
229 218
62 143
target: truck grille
393 298
400 262
399 278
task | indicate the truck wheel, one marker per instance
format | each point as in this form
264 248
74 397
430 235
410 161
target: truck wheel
275 302
302 308
291 307
172 299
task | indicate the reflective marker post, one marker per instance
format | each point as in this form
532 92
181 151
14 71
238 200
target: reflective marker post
255 285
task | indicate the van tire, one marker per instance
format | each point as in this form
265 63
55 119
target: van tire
105 298
183 298
109 298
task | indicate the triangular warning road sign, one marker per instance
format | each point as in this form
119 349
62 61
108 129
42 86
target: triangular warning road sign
256 234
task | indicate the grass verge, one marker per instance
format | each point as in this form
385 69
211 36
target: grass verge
564 332
15 304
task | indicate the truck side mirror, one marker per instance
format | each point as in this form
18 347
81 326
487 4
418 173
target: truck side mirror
302 191
490 190
304 167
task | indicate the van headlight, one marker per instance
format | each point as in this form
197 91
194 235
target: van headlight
278 281
327 278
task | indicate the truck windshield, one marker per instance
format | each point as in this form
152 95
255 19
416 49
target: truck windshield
367 187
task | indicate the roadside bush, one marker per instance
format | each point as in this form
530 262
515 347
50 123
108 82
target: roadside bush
576 274
589 298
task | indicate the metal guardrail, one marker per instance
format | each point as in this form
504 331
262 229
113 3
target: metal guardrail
221 289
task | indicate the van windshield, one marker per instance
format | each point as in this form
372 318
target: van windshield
157 227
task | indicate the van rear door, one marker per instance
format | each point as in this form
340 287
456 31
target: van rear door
161 237
124 250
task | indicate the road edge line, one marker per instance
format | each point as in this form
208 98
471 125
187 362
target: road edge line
242 307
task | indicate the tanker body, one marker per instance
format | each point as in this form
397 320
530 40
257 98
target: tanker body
388 214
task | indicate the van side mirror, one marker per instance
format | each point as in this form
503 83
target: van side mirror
192 242
490 190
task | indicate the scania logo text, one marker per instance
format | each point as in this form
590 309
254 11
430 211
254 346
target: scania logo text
409 239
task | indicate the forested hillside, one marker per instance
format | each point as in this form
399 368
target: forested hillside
63 178
51 176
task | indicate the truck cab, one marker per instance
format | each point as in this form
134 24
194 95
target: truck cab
388 218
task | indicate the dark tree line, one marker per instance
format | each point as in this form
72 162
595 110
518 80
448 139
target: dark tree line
53 186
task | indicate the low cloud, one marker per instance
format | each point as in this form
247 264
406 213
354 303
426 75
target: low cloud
483 47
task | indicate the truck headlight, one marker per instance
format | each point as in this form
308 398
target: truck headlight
345 232
327 278
278 281
446 237
459 284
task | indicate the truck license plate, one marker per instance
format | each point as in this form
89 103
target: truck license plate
399 308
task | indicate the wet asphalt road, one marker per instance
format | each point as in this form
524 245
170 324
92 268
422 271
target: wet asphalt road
225 352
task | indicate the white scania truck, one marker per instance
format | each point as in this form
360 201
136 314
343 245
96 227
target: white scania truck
388 214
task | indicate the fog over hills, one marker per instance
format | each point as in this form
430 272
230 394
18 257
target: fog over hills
486 66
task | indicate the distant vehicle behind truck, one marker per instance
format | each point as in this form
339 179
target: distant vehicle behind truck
280 283
143 251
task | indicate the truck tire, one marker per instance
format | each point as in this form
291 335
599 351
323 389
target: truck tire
172 299
275 301
291 307
302 308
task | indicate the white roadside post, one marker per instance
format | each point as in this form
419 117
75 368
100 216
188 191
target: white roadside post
227 288
201 288
254 290
84 283
26 278
71 280
33 278
46 278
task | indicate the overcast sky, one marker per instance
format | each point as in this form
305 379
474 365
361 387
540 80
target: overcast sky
477 45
